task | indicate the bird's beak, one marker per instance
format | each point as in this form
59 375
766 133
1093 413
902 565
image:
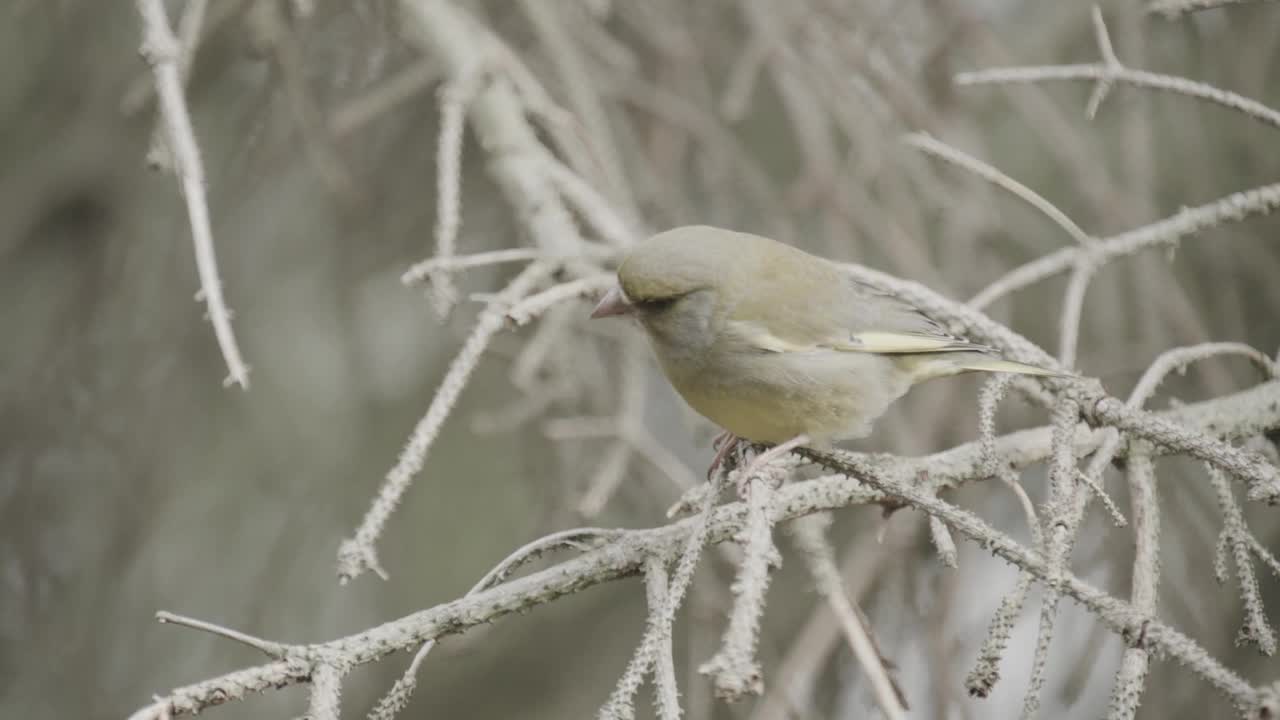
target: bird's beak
613 303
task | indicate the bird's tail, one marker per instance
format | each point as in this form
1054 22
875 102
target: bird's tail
995 364
926 366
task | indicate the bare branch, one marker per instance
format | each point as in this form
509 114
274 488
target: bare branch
878 478
552 22
1061 519
1167 362
266 647
358 553
809 533
1111 71
700 532
573 168
1109 61
161 50
1072 309
190 25
1177 360
986 670
516 156
666 691
735 668
1235 535
1171 9
1169 231
795 679
527 309
611 226
1126 695
454 98
1096 406
519 167
398 697
426 269
389 94
326 692
993 175
943 542
993 391
605 480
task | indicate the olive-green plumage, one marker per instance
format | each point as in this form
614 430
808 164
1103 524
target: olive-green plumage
770 342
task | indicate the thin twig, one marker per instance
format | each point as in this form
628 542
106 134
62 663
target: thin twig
1102 72
400 87
190 26
358 553
809 533
1072 310
665 689
423 271
1175 360
986 669
1126 694
993 175
1235 535
498 114
605 480
526 310
1109 60
1099 408
943 543
1062 517
734 667
620 705
1167 232
266 647
1172 9
583 538
161 50
993 391
797 675
610 225
455 95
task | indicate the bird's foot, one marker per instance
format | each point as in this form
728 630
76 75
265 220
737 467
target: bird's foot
724 444
888 507
761 461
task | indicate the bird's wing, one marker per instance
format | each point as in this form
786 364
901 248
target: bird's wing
889 324
836 312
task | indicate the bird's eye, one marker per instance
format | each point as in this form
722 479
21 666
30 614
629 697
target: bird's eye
658 304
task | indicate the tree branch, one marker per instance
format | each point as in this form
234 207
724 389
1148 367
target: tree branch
1242 414
161 50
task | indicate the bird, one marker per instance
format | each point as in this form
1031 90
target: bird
778 346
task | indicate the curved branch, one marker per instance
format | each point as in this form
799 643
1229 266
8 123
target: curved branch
1188 221
1242 413
936 148
1096 406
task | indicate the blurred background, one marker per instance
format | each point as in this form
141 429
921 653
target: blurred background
132 481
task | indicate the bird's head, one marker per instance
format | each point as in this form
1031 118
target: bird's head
678 283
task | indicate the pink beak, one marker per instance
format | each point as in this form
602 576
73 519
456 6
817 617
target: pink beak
613 303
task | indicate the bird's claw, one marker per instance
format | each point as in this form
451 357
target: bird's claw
724 445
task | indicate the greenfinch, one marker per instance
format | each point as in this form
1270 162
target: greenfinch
776 345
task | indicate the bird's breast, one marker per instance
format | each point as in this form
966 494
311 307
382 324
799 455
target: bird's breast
772 397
